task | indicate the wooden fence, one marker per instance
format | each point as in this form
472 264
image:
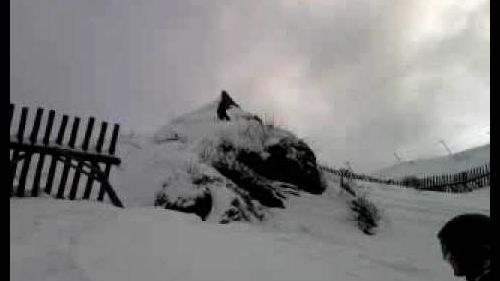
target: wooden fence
455 182
93 163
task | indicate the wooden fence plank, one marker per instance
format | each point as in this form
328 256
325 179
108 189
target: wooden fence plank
27 159
53 164
100 142
85 147
41 159
111 151
22 124
62 151
478 175
485 172
67 162
16 154
48 128
36 125
102 134
482 181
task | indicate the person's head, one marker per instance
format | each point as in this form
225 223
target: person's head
465 243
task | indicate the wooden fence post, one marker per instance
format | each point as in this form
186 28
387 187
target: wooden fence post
85 147
105 182
53 163
100 142
16 154
41 158
484 175
27 159
488 174
67 161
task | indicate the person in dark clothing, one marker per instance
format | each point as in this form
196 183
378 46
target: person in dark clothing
225 103
466 245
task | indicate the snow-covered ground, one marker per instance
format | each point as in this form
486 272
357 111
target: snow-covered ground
312 239
455 163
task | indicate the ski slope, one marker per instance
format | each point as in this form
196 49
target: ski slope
455 163
313 239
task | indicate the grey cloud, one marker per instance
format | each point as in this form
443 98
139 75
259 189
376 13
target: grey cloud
349 77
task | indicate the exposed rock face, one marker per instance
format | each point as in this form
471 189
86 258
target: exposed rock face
245 178
242 208
198 202
287 161
294 162
290 161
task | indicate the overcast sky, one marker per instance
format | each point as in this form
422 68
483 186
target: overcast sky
358 80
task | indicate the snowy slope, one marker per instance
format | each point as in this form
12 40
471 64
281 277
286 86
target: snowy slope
311 240
459 162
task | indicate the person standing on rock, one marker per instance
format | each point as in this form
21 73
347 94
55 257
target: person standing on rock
466 245
225 103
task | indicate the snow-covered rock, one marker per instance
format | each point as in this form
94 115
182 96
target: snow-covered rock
221 170
290 160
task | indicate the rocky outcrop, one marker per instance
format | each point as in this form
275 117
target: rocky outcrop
245 178
288 160
198 202
253 165
242 207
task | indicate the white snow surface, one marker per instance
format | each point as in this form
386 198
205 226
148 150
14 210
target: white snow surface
458 162
313 239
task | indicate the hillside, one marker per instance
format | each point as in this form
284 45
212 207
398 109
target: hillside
458 162
218 200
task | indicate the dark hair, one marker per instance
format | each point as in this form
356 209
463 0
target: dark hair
466 234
